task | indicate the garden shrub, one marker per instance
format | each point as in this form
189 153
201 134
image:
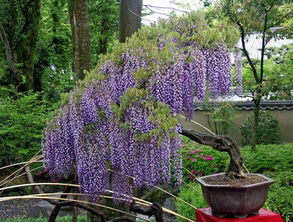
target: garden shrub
274 161
269 158
191 194
201 160
267 132
22 118
280 197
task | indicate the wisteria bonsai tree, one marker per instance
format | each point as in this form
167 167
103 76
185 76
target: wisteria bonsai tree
119 129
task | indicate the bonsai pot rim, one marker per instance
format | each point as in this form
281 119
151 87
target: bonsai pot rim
243 200
202 182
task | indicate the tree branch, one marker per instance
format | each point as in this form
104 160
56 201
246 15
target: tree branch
263 48
90 209
162 13
222 144
270 7
242 33
155 209
58 207
60 204
164 7
264 42
246 52
8 53
85 207
243 96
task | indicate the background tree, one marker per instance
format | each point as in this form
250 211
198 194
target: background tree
78 12
282 78
52 64
19 26
54 48
104 27
130 18
278 76
270 19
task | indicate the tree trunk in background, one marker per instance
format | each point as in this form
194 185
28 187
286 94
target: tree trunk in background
9 56
78 12
26 46
130 18
256 114
103 41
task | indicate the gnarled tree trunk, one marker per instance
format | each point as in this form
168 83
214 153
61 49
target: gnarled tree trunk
222 144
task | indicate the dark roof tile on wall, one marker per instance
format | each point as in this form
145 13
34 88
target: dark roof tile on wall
249 105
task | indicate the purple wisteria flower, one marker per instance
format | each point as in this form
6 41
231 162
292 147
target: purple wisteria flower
98 134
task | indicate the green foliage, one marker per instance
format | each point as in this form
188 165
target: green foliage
277 73
222 117
274 161
103 23
207 33
54 50
267 132
251 14
280 195
191 194
210 31
201 160
269 158
53 55
22 118
272 78
20 24
55 47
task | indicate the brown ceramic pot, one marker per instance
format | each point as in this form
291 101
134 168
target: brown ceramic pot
235 201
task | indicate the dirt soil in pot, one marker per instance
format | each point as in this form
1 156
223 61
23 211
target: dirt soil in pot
224 180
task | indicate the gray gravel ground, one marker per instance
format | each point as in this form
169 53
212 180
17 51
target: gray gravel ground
15 208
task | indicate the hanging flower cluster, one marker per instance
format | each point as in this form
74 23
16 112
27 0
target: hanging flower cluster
119 129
